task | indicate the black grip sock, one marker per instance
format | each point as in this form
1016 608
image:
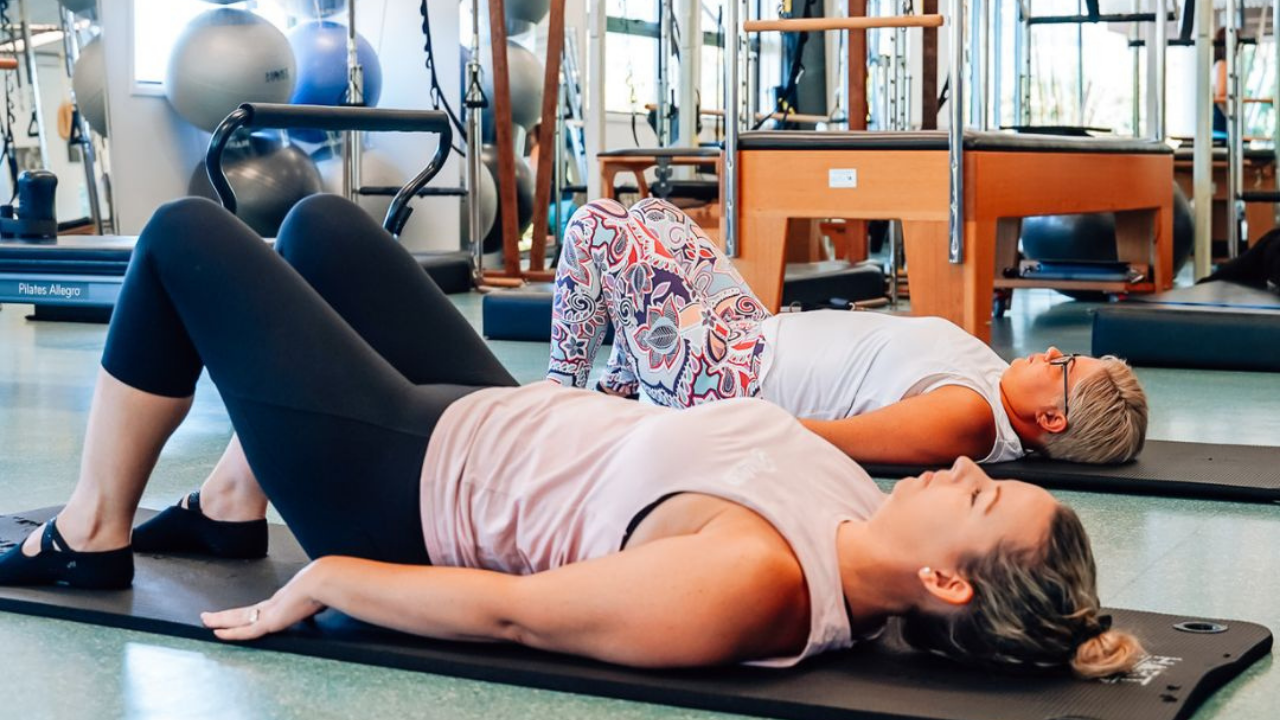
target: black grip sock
187 530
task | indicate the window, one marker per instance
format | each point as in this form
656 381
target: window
157 24
632 38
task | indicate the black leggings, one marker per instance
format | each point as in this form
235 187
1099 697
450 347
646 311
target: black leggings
335 356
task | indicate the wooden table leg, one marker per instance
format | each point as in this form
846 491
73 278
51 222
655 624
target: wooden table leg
1261 218
762 246
608 176
937 286
1146 236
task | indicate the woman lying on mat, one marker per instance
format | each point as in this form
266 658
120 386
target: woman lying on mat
439 498
884 389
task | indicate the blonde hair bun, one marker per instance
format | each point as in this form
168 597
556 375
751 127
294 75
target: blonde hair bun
1108 653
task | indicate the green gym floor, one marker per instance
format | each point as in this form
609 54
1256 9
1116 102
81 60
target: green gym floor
1191 557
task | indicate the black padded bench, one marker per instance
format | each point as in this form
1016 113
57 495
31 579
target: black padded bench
1215 325
84 272
525 314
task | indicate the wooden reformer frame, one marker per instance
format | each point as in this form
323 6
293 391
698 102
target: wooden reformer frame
960 209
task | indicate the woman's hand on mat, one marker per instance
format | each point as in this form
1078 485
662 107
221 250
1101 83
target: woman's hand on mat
291 604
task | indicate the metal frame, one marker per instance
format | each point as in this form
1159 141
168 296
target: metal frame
1235 128
733 116
1203 151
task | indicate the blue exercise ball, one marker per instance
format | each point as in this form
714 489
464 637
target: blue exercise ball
320 47
268 176
224 58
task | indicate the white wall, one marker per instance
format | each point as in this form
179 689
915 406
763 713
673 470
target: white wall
153 150
394 28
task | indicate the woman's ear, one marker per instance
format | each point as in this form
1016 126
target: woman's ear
946 586
1051 420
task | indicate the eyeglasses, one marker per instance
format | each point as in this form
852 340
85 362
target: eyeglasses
1065 362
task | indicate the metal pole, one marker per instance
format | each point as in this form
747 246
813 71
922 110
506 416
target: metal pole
752 45
1079 69
956 133
1235 143
1275 90
593 109
558 167
690 72
663 113
1024 72
732 110
893 73
1136 120
475 164
977 64
901 48
72 51
1019 51
997 53
1156 57
351 150
33 77
1202 154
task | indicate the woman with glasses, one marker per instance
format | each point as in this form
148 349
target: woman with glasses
883 389
438 498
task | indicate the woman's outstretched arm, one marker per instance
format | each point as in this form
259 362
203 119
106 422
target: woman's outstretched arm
936 427
689 600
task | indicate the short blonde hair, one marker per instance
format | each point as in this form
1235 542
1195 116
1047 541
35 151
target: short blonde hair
1108 418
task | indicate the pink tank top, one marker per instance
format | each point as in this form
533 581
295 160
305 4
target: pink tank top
522 480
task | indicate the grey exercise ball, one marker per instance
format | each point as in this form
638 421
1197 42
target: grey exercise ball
226 57
524 198
525 70
528 10
268 177
89 81
488 192
516 23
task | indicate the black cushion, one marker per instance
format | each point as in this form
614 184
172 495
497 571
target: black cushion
450 270
939 140
831 283
1189 336
707 152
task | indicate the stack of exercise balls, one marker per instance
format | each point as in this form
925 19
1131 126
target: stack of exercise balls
525 71
226 57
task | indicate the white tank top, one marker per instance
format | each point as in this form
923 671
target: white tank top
833 364
523 480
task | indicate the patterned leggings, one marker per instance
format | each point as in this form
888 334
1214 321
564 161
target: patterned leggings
687 328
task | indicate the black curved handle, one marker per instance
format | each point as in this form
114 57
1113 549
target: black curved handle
325 117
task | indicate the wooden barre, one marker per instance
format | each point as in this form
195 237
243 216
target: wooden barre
8 63
1261 101
791 117
846 23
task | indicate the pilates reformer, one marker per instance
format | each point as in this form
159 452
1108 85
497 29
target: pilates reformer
962 190
79 277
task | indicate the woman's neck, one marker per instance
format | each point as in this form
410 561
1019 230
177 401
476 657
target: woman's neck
1028 430
876 586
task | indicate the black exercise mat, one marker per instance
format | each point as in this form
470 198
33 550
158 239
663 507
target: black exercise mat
879 680
1164 468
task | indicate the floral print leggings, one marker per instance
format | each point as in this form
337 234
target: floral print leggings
686 326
